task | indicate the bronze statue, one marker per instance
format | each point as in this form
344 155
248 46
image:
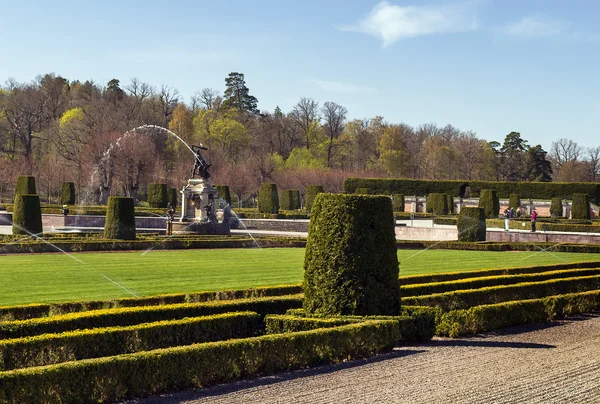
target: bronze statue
200 165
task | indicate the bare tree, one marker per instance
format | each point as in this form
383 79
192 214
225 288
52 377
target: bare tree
168 97
305 114
335 118
207 98
593 163
565 151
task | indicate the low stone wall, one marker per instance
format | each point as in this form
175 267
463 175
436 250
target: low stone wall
142 222
299 225
426 233
540 237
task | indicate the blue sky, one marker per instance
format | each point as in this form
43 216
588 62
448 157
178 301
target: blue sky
488 66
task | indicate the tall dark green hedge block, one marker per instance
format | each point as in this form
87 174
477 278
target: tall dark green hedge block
471 224
514 201
286 199
362 191
67 193
25 185
158 196
437 204
556 207
27 215
488 200
450 203
268 198
398 203
311 192
296 198
120 219
173 196
350 264
581 207
224 193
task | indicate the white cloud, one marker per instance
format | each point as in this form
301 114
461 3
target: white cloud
338 87
391 23
537 26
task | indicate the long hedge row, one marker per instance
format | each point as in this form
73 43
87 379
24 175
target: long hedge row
49 349
138 315
135 375
498 246
28 311
480 282
495 316
464 299
534 190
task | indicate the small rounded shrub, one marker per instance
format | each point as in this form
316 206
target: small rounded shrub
488 200
67 193
268 199
556 207
27 215
398 202
311 192
286 199
437 204
350 264
25 185
120 219
158 196
471 224
581 207
224 193
514 201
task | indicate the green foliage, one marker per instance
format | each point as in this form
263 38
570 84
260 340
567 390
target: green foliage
27 215
296 198
437 204
268 199
120 220
49 349
535 190
514 201
25 185
224 193
237 95
488 200
471 224
120 377
286 199
350 265
158 196
301 157
581 207
173 199
70 115
398 203
450 203
362 191
311 192
67 193
556 208
464 299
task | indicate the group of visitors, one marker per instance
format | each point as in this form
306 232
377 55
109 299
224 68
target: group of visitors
510 213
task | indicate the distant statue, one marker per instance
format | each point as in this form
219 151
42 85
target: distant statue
200 165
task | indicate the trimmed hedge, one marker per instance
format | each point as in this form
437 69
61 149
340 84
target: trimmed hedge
556 208
464 299
49 349
534 190
173 199
437 204
296 198
127 376
158 196
495 316
120 220
581 207
545 226
28 311
351 265
450 203
480 282
398 203
471 224
488 200
500 246
137 315
25 185
311 192
27 215
268 199
224 193
362 191
67 193
286 199
514 201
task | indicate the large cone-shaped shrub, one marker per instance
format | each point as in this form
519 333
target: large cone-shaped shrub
488 200
437 204
471 224
286 200
67 193
581 207
25 185
350 265
268 198
556 207
27 215
158 195
311 192
120 219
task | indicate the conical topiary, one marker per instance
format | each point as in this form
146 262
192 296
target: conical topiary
27 215
120 218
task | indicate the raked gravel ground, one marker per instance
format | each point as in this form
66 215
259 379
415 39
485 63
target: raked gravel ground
557 363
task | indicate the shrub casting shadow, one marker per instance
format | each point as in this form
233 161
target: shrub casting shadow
489 344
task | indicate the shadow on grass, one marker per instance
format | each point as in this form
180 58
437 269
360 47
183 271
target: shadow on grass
268 380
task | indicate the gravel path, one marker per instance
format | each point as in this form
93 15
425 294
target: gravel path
537 364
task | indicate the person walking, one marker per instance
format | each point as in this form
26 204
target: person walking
533 220
506 219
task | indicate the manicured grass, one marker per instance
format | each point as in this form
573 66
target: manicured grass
59 277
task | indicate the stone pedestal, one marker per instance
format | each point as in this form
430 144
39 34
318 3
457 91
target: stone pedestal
199 209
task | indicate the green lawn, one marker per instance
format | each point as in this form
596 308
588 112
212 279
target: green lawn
89 276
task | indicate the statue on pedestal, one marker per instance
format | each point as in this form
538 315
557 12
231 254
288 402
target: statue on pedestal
200 165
